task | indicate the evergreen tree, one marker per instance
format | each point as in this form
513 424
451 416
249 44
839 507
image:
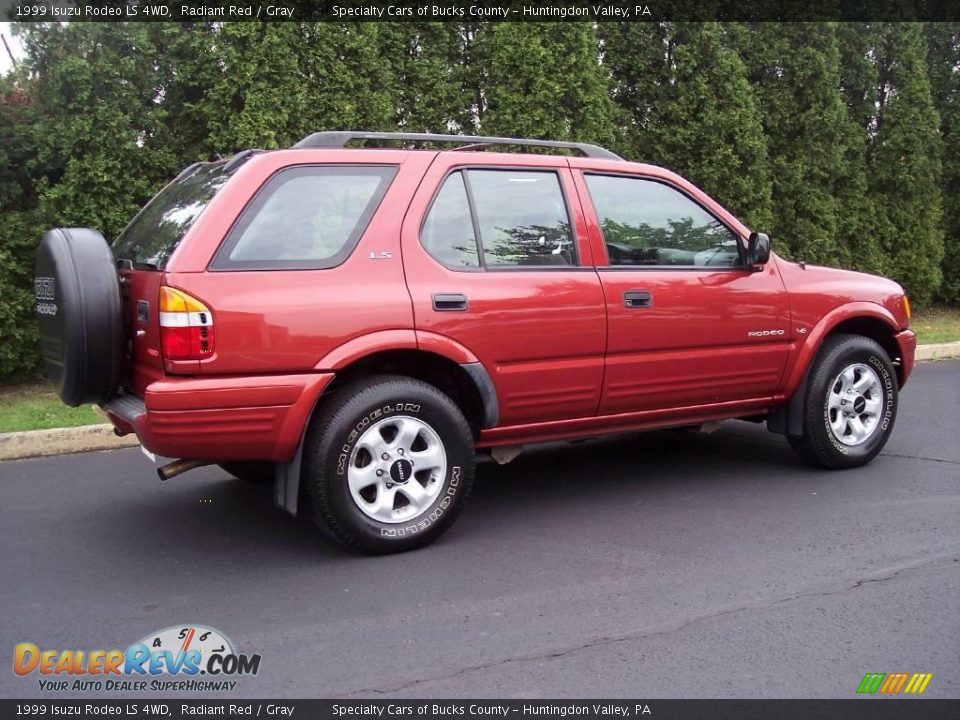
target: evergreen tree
187 72
816 153
858 73
691 108
350 84
99 147
944 62
428 75
904 161
548 83
20 228
260 96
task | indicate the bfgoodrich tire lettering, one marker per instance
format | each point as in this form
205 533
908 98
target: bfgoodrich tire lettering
332 450
857 372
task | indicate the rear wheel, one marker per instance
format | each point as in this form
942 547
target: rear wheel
851 404
388 464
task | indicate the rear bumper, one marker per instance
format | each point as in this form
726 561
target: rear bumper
225 418
907 342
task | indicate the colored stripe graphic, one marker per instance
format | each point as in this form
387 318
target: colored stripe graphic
912 683
893 683
871 682
918 683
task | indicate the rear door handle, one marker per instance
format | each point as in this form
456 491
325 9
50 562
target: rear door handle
637 299
449 302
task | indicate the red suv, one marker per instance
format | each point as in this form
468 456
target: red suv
355 323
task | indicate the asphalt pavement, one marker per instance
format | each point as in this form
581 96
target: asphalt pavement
655 565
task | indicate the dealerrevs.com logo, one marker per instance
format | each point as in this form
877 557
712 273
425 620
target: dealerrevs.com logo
178 658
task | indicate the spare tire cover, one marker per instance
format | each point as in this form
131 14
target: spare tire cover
79 314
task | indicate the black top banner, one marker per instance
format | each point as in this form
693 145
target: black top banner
484 709
479 11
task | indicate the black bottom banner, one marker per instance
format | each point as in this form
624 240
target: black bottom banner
872 709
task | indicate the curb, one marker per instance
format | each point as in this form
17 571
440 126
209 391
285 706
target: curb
61 441
940 351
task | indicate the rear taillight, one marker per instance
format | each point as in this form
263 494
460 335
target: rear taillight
186 326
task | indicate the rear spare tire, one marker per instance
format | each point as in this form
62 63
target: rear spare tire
80 316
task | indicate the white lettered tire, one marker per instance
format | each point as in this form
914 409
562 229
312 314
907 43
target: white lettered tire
388 464
850 405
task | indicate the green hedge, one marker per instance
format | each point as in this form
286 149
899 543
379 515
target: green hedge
841 140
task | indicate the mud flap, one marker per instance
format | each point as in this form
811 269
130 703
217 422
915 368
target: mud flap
286 480
788 419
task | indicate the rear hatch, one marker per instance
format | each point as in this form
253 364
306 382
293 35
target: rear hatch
142 251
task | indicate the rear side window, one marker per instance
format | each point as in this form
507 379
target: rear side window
150 239
307 217
499 219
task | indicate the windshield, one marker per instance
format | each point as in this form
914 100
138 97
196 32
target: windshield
153 235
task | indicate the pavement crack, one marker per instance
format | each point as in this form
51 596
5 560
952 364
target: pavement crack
668 628
921 457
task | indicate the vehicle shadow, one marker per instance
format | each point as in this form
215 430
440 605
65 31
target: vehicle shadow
208 513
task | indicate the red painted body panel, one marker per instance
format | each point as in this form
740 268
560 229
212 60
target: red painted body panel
566 358
229 418
907 342
540 334
822 298
692 346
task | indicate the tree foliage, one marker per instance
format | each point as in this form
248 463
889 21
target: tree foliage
943 41
904 161
842 140
691 109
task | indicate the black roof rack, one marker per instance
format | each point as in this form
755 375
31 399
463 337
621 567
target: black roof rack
339 139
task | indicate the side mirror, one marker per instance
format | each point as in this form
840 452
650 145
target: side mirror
758 250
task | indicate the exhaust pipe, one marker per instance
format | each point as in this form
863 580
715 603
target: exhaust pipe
178 467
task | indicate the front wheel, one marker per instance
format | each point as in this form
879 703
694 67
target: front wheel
851 404
388 464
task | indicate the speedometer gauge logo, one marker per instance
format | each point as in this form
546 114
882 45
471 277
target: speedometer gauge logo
199 640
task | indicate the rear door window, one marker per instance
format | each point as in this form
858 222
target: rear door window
448 233
522 218
308 217
499 219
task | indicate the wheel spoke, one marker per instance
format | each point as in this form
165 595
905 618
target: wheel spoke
848 377
359 478
373 444
382 507
866 381
839 424
429 459
407 431
857 429
834 401
871 406
415 493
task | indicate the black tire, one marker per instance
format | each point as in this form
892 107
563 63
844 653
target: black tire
253 472
332 445
79 313
819 445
